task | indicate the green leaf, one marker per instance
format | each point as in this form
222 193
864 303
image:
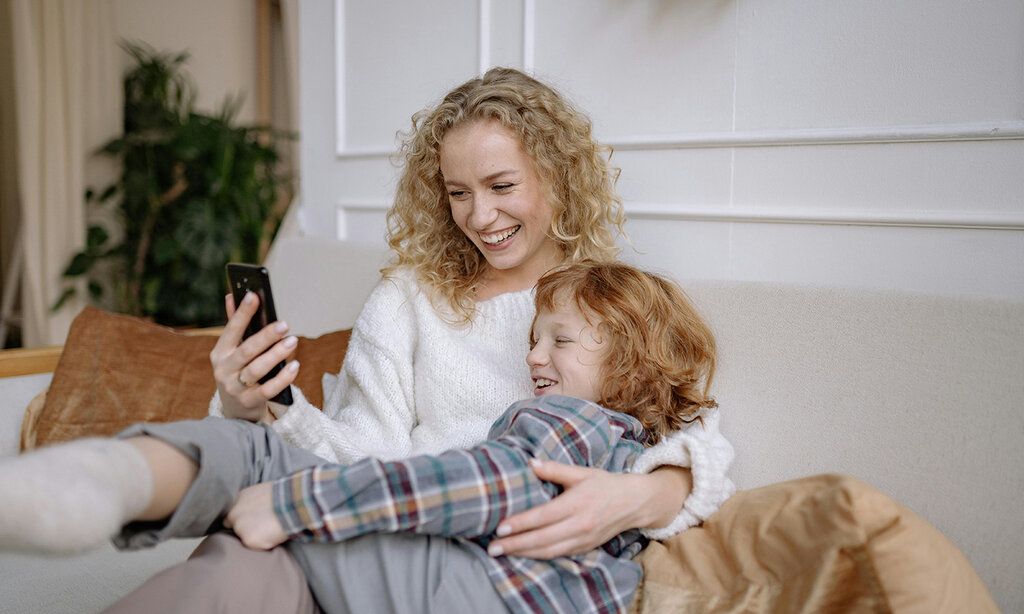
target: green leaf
95 238
114 147
64 297
108 193
81 263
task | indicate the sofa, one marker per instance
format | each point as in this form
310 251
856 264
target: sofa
878 437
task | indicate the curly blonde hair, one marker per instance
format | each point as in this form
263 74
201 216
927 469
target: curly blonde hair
659 360
577 176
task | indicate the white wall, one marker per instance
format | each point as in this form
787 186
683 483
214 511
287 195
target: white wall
866 144
219 36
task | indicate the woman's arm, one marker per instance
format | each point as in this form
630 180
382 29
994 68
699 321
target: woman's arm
370 411
677 483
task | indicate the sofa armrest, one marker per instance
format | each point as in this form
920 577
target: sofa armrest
29 361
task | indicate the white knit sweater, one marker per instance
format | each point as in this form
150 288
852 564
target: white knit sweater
413 383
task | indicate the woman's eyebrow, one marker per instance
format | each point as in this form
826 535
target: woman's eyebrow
491 177
494 176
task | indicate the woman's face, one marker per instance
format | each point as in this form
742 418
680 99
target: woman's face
498 200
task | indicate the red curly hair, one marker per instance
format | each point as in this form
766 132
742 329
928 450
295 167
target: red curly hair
660 356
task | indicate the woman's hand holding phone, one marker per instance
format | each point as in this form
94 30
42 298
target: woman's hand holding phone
237 362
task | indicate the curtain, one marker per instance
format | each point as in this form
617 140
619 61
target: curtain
67 102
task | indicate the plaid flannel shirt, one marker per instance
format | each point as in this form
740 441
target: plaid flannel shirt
465 494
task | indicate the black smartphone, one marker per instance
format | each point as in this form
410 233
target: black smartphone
244 278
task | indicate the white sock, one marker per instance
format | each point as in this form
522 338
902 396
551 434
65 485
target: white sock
71 497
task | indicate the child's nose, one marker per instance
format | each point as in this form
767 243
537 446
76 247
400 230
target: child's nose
536 357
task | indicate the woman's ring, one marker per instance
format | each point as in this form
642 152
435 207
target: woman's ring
243 382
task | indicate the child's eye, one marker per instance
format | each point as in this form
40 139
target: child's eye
562 340
456 194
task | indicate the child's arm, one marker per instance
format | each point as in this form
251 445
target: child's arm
460 493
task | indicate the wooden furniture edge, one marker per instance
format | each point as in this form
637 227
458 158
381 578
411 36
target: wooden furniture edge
31 361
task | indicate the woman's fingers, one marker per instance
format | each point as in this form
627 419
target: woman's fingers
262 364
253 347
560 473
554 510
238 320
229 305
280 381
588 513
548 526
258 395
558 538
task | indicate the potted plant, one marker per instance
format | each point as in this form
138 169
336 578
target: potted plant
195 192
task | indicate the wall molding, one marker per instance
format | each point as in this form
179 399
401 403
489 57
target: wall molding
339 80
529 34
982 131
874 135
991 220
484 36
987 220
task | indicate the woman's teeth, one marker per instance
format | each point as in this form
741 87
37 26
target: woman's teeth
496 238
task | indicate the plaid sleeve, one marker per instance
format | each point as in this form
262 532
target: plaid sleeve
460 493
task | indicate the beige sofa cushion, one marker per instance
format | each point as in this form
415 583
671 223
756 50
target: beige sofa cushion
826 543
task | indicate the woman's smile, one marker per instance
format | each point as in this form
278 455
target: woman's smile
499 239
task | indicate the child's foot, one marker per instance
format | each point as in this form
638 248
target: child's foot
71 497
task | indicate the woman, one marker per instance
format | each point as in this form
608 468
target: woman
502 181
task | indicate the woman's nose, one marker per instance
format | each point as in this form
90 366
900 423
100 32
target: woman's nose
483 214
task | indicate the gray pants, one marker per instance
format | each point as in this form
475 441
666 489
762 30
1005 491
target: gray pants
373 573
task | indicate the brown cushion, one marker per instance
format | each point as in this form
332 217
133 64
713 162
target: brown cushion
117 370
30 419
826 543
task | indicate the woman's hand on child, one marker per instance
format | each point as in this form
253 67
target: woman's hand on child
253 520
238 365
596 506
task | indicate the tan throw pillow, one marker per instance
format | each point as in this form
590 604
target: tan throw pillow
827 543
116 370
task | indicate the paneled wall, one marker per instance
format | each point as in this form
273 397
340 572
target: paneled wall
864 143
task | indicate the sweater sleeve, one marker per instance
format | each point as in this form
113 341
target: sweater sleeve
459 493
703 449
370 411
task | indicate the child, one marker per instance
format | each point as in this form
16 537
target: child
603 335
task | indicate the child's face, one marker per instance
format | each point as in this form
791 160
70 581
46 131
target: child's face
567 354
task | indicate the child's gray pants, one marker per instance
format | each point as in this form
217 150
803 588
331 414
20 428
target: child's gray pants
374 573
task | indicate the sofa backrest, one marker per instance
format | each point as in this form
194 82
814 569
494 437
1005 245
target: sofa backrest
320 284
921 396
